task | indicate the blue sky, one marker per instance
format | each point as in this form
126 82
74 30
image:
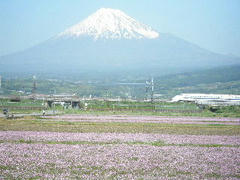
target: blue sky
211 24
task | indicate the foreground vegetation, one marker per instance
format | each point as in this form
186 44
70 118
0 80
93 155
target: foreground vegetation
54 148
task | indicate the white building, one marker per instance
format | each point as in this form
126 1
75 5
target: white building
211 99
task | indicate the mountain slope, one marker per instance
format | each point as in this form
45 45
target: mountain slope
111 41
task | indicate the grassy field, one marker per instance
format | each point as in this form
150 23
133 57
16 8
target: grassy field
36 124
107 107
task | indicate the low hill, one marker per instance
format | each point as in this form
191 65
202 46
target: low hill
224 80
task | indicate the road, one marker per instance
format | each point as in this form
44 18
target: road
30 114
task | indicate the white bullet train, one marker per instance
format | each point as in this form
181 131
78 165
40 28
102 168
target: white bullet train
208 99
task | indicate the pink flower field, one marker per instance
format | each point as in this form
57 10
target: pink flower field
44 161
117 137
145 119
94 155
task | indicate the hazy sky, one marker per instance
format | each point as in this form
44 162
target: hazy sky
212 24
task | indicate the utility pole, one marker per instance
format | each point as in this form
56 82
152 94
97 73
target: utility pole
34 88
152 90
150 85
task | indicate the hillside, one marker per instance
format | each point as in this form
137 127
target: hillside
218 80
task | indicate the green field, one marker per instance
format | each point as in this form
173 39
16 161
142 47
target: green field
36 124
107 107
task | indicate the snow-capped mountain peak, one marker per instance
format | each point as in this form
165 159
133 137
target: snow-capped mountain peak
110 24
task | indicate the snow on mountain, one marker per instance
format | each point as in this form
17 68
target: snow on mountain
110 24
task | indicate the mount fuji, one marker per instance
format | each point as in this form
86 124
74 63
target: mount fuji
111 41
